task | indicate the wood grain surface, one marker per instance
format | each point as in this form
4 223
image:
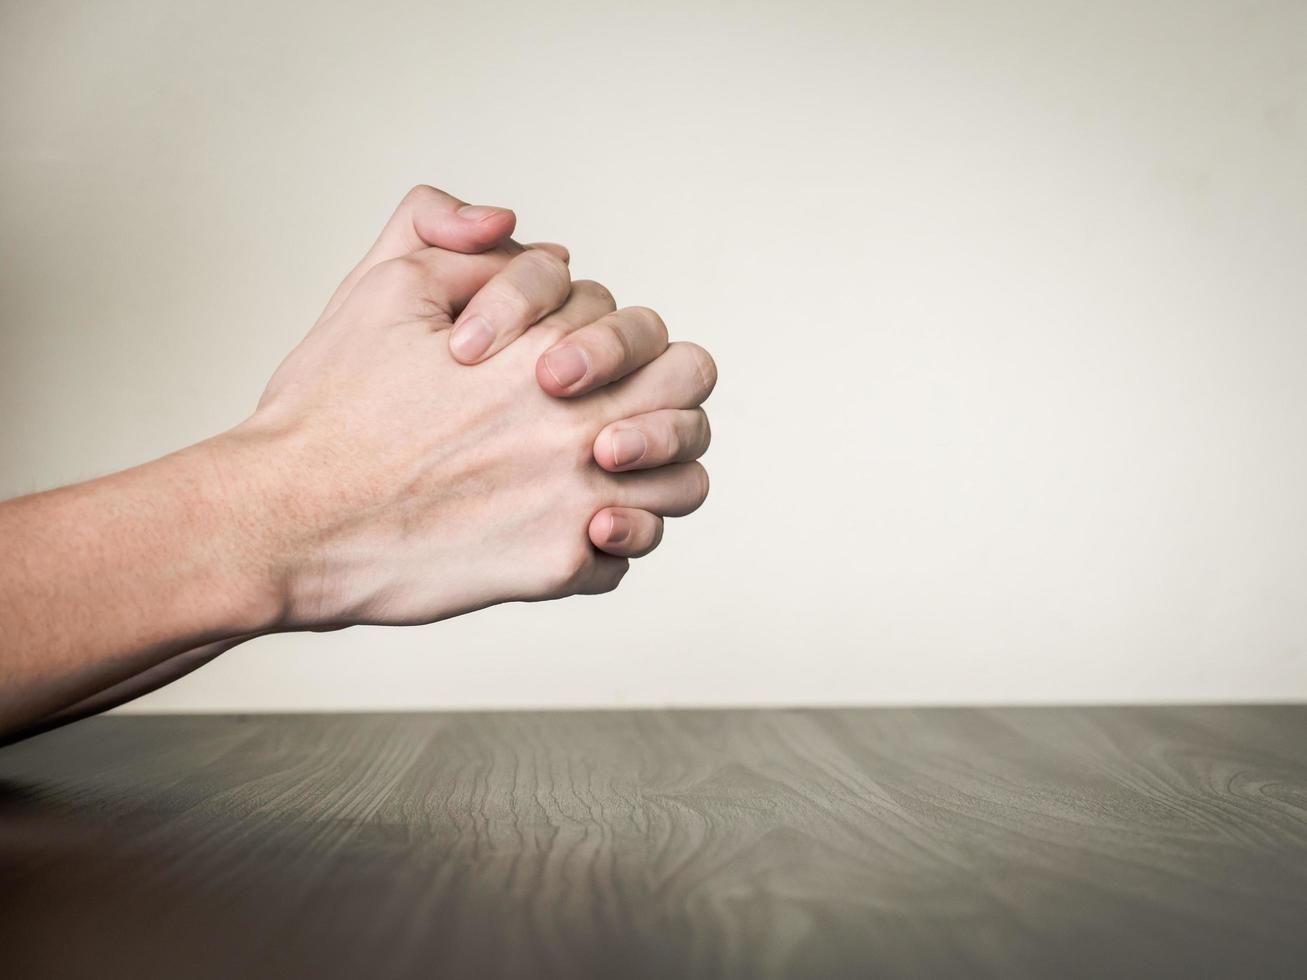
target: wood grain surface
1023 842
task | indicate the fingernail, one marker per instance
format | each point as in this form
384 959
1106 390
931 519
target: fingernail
627 445
478 212
619 528
471 338
568 365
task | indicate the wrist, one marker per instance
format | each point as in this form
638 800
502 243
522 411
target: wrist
242 503
289 503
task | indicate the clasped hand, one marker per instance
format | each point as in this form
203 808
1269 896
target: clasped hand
466 425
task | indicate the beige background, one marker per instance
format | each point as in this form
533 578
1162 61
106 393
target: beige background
1008 300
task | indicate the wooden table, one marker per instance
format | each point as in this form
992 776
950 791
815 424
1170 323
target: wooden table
1024 842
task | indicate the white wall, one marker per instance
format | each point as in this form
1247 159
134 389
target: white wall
1008 300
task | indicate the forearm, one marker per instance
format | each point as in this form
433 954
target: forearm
105 580
150 679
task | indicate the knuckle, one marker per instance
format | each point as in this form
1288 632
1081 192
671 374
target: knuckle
650 320
651 535
704 366
547 264
567 567
596 291
699 484
618 340
659 527
535 283
419 192
703 431
610 577
511 294
674 440
399 275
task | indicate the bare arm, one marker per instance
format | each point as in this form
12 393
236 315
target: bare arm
150 679
107 579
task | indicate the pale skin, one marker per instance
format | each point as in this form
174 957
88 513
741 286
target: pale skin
463 426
